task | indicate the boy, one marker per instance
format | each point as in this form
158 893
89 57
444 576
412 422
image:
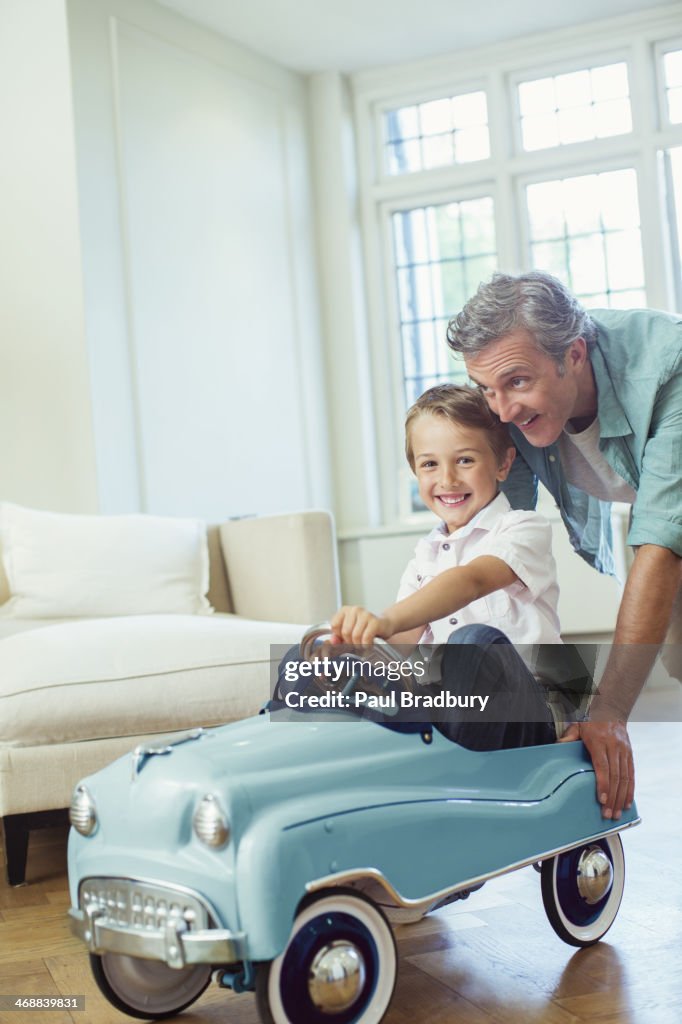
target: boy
486 569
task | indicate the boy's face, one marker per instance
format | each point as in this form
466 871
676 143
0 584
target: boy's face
457 470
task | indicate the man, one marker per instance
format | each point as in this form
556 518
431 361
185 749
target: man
594 403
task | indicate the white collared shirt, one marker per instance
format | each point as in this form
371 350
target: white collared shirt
526 610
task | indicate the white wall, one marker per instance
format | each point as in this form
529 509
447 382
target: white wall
199 268
159 322
47 453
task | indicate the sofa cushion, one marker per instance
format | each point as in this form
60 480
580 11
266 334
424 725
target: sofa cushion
124 676
71 566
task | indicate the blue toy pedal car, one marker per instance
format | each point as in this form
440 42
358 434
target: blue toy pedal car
270 856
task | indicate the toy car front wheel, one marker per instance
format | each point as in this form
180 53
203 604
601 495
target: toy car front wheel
582 890
339 965
148 989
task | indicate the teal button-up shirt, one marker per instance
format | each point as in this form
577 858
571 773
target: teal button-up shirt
637 364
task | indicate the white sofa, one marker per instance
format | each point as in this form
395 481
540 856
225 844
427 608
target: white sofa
76 693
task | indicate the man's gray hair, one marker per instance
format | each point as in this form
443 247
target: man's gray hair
535 301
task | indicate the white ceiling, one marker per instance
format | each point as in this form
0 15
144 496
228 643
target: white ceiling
351 35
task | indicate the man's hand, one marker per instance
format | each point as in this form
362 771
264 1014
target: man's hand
355 625
608 744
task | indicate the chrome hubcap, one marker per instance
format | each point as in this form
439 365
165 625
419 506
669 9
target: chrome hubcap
336 977
595 874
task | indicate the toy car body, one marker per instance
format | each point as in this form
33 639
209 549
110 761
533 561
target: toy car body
266 853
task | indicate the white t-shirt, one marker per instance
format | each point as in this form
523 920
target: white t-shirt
526 610
585 467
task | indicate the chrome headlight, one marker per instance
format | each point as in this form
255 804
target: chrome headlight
210 822
82 812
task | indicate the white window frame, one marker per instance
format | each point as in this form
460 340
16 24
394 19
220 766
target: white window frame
660 50
392 302
639 41
596 166
411 100
599 58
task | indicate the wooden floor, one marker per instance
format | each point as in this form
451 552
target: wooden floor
491 959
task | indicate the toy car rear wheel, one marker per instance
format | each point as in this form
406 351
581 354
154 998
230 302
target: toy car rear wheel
339 965
148 989
582 889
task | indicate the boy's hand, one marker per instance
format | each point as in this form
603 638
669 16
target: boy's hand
355 625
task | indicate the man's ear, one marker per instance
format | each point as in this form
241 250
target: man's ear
506 464
576 354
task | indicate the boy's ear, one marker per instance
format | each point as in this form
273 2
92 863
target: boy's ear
506 464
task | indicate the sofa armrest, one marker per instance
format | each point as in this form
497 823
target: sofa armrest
282 568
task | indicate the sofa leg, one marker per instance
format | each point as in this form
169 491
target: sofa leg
16 828
16 847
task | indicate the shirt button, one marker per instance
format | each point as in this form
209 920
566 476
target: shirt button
419 579
446 547
453 621
552 458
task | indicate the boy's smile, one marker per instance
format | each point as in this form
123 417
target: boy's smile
457 470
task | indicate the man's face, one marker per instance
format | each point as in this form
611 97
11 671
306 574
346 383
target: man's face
523 386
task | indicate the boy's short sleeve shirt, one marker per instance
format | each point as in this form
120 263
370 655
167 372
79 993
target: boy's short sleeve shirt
526 610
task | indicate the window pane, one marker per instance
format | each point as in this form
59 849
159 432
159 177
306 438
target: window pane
609 82
442 252
675 105
585 230
545 209
573 90
612 117
580 202
586 264
576 124
624 260
590 103
469 110
478 229
437 151
617 198
672 73
435 117
447 231
673 163
672 63
403 157
537 97
550 256
477 270
472 144
635 299
540 131
402 124
437 133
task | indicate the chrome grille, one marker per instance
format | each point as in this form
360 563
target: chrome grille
141 905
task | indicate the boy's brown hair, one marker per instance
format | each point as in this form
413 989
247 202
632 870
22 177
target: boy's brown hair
463 406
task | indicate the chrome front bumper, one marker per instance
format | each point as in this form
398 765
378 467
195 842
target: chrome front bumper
153 922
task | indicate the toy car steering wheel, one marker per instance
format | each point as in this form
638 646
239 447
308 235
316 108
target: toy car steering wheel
380 648
378 653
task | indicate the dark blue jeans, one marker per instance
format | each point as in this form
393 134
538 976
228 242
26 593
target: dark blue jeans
477 660
480 661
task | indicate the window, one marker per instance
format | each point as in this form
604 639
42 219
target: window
555 169
585 230
437 133
672 77
592 103
442 253
673 168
